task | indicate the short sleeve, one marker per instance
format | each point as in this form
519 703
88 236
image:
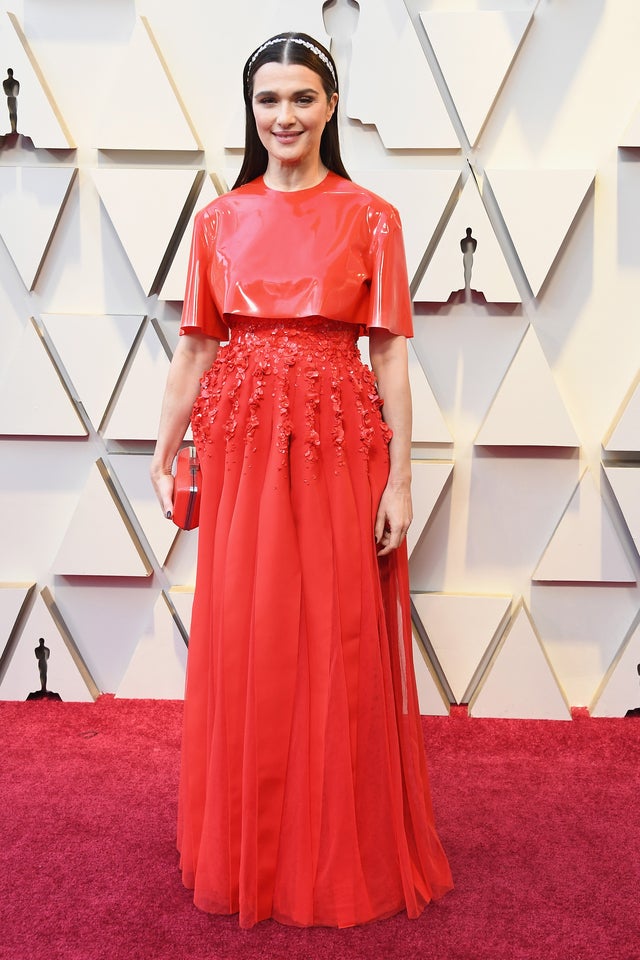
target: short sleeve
199 312
390 298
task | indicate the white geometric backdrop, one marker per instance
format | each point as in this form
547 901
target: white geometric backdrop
519 119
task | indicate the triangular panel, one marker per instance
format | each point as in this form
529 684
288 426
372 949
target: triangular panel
136 412
520 683
385 36
490 274
144 205
625 482
429 478
37 116
620 690
461 630
66 673
585 547
428 424
174 284
624 435
99 541
582 628
93 350
33 400
466 352
527 410
31 201
143 110
420 197
475 49
157 668
535 204
132 470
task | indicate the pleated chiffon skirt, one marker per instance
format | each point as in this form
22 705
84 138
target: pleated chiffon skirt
304 793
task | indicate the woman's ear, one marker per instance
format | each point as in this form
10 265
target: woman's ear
331 107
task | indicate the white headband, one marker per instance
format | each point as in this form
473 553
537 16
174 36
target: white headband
305 43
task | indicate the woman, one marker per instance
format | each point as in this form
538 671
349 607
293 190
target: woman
303 791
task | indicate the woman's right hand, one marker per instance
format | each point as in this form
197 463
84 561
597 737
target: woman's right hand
163 486
193 355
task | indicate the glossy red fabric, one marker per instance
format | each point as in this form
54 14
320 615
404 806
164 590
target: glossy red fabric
334 250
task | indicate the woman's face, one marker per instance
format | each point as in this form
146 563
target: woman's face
291 110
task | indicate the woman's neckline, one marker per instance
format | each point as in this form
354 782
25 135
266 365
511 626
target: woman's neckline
301 190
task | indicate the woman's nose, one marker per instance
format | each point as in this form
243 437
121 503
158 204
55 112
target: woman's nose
285 114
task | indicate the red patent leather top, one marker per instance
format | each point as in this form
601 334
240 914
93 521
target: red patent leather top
334 250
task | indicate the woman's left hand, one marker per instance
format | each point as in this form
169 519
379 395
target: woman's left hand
393 518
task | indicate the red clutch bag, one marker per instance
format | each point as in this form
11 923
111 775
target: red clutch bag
187 488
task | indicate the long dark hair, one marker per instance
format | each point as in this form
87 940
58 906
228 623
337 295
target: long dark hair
297 48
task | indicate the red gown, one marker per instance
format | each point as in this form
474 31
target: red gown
304 793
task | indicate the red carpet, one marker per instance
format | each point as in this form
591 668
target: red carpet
541 821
